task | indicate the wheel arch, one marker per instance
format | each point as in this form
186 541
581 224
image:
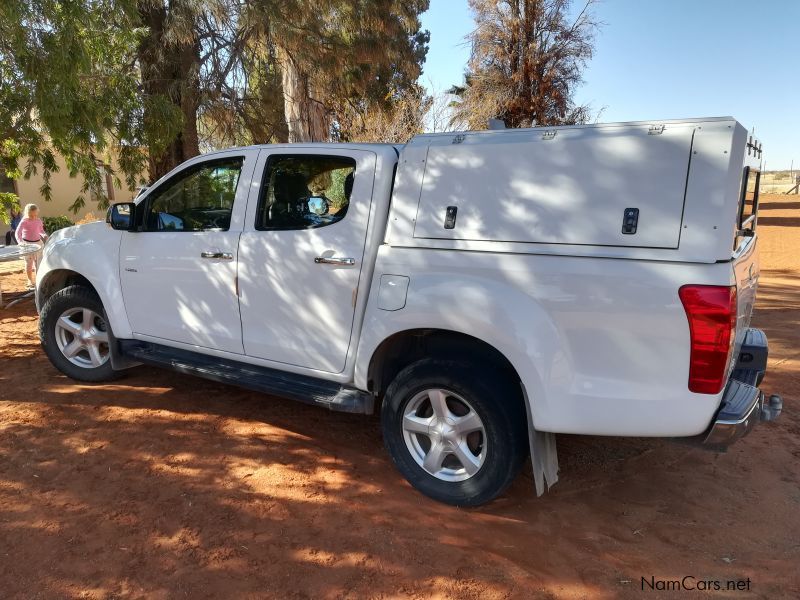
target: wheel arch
56 280
405 347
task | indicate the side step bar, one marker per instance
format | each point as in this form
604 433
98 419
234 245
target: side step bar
302 388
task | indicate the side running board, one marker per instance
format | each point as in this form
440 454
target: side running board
302 388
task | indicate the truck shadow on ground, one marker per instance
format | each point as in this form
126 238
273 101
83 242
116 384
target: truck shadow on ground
780 221
778 206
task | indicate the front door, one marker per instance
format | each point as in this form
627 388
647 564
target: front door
300 256
179 272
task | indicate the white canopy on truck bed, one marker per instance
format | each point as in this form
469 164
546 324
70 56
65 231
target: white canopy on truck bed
619 189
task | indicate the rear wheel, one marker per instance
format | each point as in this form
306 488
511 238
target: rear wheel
458 434
75 334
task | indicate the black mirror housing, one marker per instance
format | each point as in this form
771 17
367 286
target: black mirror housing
120 216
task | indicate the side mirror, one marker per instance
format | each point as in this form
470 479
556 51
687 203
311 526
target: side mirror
318 205
120 216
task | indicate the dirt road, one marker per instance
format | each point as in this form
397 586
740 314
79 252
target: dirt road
165 486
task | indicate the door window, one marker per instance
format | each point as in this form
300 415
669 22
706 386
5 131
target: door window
199 198
304 192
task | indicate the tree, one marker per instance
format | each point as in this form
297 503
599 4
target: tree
168 57
331 53
242 100
68 86
154 80
527 58
393 122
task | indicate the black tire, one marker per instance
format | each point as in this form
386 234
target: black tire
493 395
73 297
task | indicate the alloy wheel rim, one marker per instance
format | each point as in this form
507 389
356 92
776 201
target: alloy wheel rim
82 337
444 435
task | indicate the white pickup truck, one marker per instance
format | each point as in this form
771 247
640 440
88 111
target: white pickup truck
486 290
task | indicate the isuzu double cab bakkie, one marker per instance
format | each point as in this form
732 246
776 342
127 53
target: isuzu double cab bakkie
486 290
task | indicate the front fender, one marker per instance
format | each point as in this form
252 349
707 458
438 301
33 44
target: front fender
91 251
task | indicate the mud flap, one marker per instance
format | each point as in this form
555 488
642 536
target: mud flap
544 457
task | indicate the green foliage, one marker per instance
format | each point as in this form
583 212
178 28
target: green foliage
69 84
150 81
52 224
335 56
8 202
335 192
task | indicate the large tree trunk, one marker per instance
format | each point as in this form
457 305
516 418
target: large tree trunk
169 69
306 116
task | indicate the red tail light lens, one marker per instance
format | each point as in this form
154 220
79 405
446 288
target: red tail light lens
711 311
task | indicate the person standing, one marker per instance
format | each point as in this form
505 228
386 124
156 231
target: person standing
31 231
16 217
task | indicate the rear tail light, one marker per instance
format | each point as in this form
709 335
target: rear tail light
711 311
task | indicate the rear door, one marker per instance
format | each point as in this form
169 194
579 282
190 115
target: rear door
301 253
179 272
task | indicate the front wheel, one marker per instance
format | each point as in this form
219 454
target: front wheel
75 335
458 434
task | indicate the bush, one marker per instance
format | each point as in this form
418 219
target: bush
8 202
52 224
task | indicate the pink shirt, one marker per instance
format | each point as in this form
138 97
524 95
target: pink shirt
30 230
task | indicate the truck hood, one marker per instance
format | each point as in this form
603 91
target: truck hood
96 237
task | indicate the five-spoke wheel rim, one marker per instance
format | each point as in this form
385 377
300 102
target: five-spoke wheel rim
82 337
444 435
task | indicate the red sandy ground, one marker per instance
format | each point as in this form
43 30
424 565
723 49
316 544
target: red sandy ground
165 486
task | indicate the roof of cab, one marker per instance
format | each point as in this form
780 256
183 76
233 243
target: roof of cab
298 145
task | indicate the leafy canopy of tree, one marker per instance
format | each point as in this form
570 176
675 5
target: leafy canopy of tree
8 202
69 84
298 70
334 54
154 80
527 59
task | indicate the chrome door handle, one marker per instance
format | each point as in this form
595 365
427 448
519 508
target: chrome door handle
216 254
334 260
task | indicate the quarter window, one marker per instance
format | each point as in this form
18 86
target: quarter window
199 198
305 192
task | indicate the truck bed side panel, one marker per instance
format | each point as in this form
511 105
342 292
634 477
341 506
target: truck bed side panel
601 345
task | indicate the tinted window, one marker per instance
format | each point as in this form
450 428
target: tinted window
303 192
197 199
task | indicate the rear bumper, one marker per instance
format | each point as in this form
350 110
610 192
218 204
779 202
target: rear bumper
743 403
